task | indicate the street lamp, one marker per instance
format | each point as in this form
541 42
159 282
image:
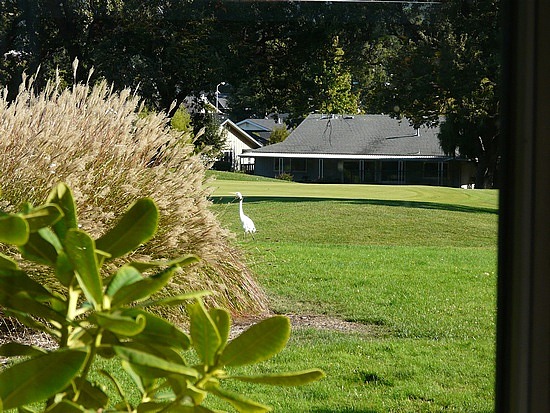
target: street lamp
218 94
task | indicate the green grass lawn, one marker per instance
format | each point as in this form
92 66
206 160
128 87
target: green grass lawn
416 263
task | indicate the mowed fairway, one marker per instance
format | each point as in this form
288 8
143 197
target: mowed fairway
414 265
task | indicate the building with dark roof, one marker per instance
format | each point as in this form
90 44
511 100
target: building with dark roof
362 149
261 129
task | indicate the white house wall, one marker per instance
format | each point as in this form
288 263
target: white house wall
237 147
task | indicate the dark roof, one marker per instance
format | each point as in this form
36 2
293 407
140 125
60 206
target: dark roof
264 124
260 129
356 136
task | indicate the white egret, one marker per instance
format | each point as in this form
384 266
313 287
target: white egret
248 224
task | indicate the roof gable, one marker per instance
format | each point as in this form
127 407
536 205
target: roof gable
241 134
263 125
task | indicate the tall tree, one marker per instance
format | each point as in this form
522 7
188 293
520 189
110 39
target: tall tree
334 83
447 68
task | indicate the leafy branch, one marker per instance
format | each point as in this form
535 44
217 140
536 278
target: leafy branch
108 317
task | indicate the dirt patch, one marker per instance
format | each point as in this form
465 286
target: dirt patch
319 322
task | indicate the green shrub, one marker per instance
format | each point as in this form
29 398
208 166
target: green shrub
181 120
92 138
284 176
91 316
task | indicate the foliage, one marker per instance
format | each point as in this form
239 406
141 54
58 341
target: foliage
181 120
200 121
111 153
334 84
285 176
448 65
91 316
210 137
418 60
269 53
151 45
278 134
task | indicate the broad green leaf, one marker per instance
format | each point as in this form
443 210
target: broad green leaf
43 216
39 378
28 320
222 319
51 237
90 395
197 395
136 378
17 349
125 275
7 263
26 409
260 342
142 289
175 300
153 365
241 403
177 384
108 340
80 250
118 324
169 354
297 378
181 262
13 230
159 331
157 407
118 387
64 269
205 336
135 227
15 281
147 374
62 196
39 250
24 303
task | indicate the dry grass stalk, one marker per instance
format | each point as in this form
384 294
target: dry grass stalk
92 138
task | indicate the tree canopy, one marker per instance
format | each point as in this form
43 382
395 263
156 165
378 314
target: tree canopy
422 61
447 71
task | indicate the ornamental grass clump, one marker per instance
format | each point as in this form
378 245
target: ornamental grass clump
94 139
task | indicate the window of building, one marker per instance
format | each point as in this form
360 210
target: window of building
299 165
389 171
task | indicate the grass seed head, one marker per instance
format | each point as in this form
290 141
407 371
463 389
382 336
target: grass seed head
94 139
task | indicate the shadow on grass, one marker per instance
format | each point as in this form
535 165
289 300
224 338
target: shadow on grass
352 410
380 202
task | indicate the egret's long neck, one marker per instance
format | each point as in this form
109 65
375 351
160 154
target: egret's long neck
241 213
